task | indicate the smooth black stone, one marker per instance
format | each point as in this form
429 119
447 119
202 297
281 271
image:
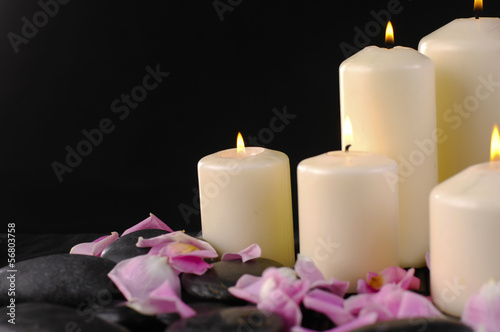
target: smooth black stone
417 325
316 321
72 280
200 308
214 283
246 318
125 247
47 317
119 314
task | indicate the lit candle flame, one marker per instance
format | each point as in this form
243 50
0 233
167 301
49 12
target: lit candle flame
389 35
347 132
240 144
478 7
495 145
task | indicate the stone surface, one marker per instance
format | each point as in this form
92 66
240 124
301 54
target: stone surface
417 325
65 279
214 283
246 318
117 313
47 317
125 247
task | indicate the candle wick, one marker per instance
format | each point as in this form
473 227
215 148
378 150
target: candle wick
347 147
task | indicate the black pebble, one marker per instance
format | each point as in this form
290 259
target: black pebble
125 247
233 319
47 317
118 313
214 283
72 280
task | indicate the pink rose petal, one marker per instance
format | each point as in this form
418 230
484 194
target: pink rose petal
150 285
184 253
280 303
251 252
164 299
151 222
416 305
361 321
391 275
95 247
307 270
278 291
482 310
328 304
247 288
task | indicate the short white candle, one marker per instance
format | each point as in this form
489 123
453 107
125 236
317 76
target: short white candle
466 54
464 231
390 97
348 213
245 198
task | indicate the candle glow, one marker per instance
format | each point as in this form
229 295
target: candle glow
478 5
389 34
240 144
495 145
347 132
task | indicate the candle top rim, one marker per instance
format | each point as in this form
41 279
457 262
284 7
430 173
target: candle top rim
470 30
230 158
474 184
249 151
340 161
380 58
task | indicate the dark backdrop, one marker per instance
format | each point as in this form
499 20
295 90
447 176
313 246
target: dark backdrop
67 67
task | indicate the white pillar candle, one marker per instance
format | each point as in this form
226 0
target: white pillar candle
348 213
390 97
245 198
466 54
465 225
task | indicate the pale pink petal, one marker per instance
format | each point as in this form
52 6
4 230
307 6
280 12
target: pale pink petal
161 241
390 296
364 288
280 303
390 275
165 299
335 286
409 281
189 264
383 313
361 321
355 303
306 269
137 277
151 222
428 259
329 304
416 305
482 310
247 288
286 280
96 247
251 252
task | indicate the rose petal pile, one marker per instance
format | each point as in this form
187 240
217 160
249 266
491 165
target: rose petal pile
151 285
383 296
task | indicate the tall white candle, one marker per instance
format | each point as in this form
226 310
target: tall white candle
465 224
390 97
466 54
245 198
348 213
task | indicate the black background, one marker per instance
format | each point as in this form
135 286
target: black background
226 75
